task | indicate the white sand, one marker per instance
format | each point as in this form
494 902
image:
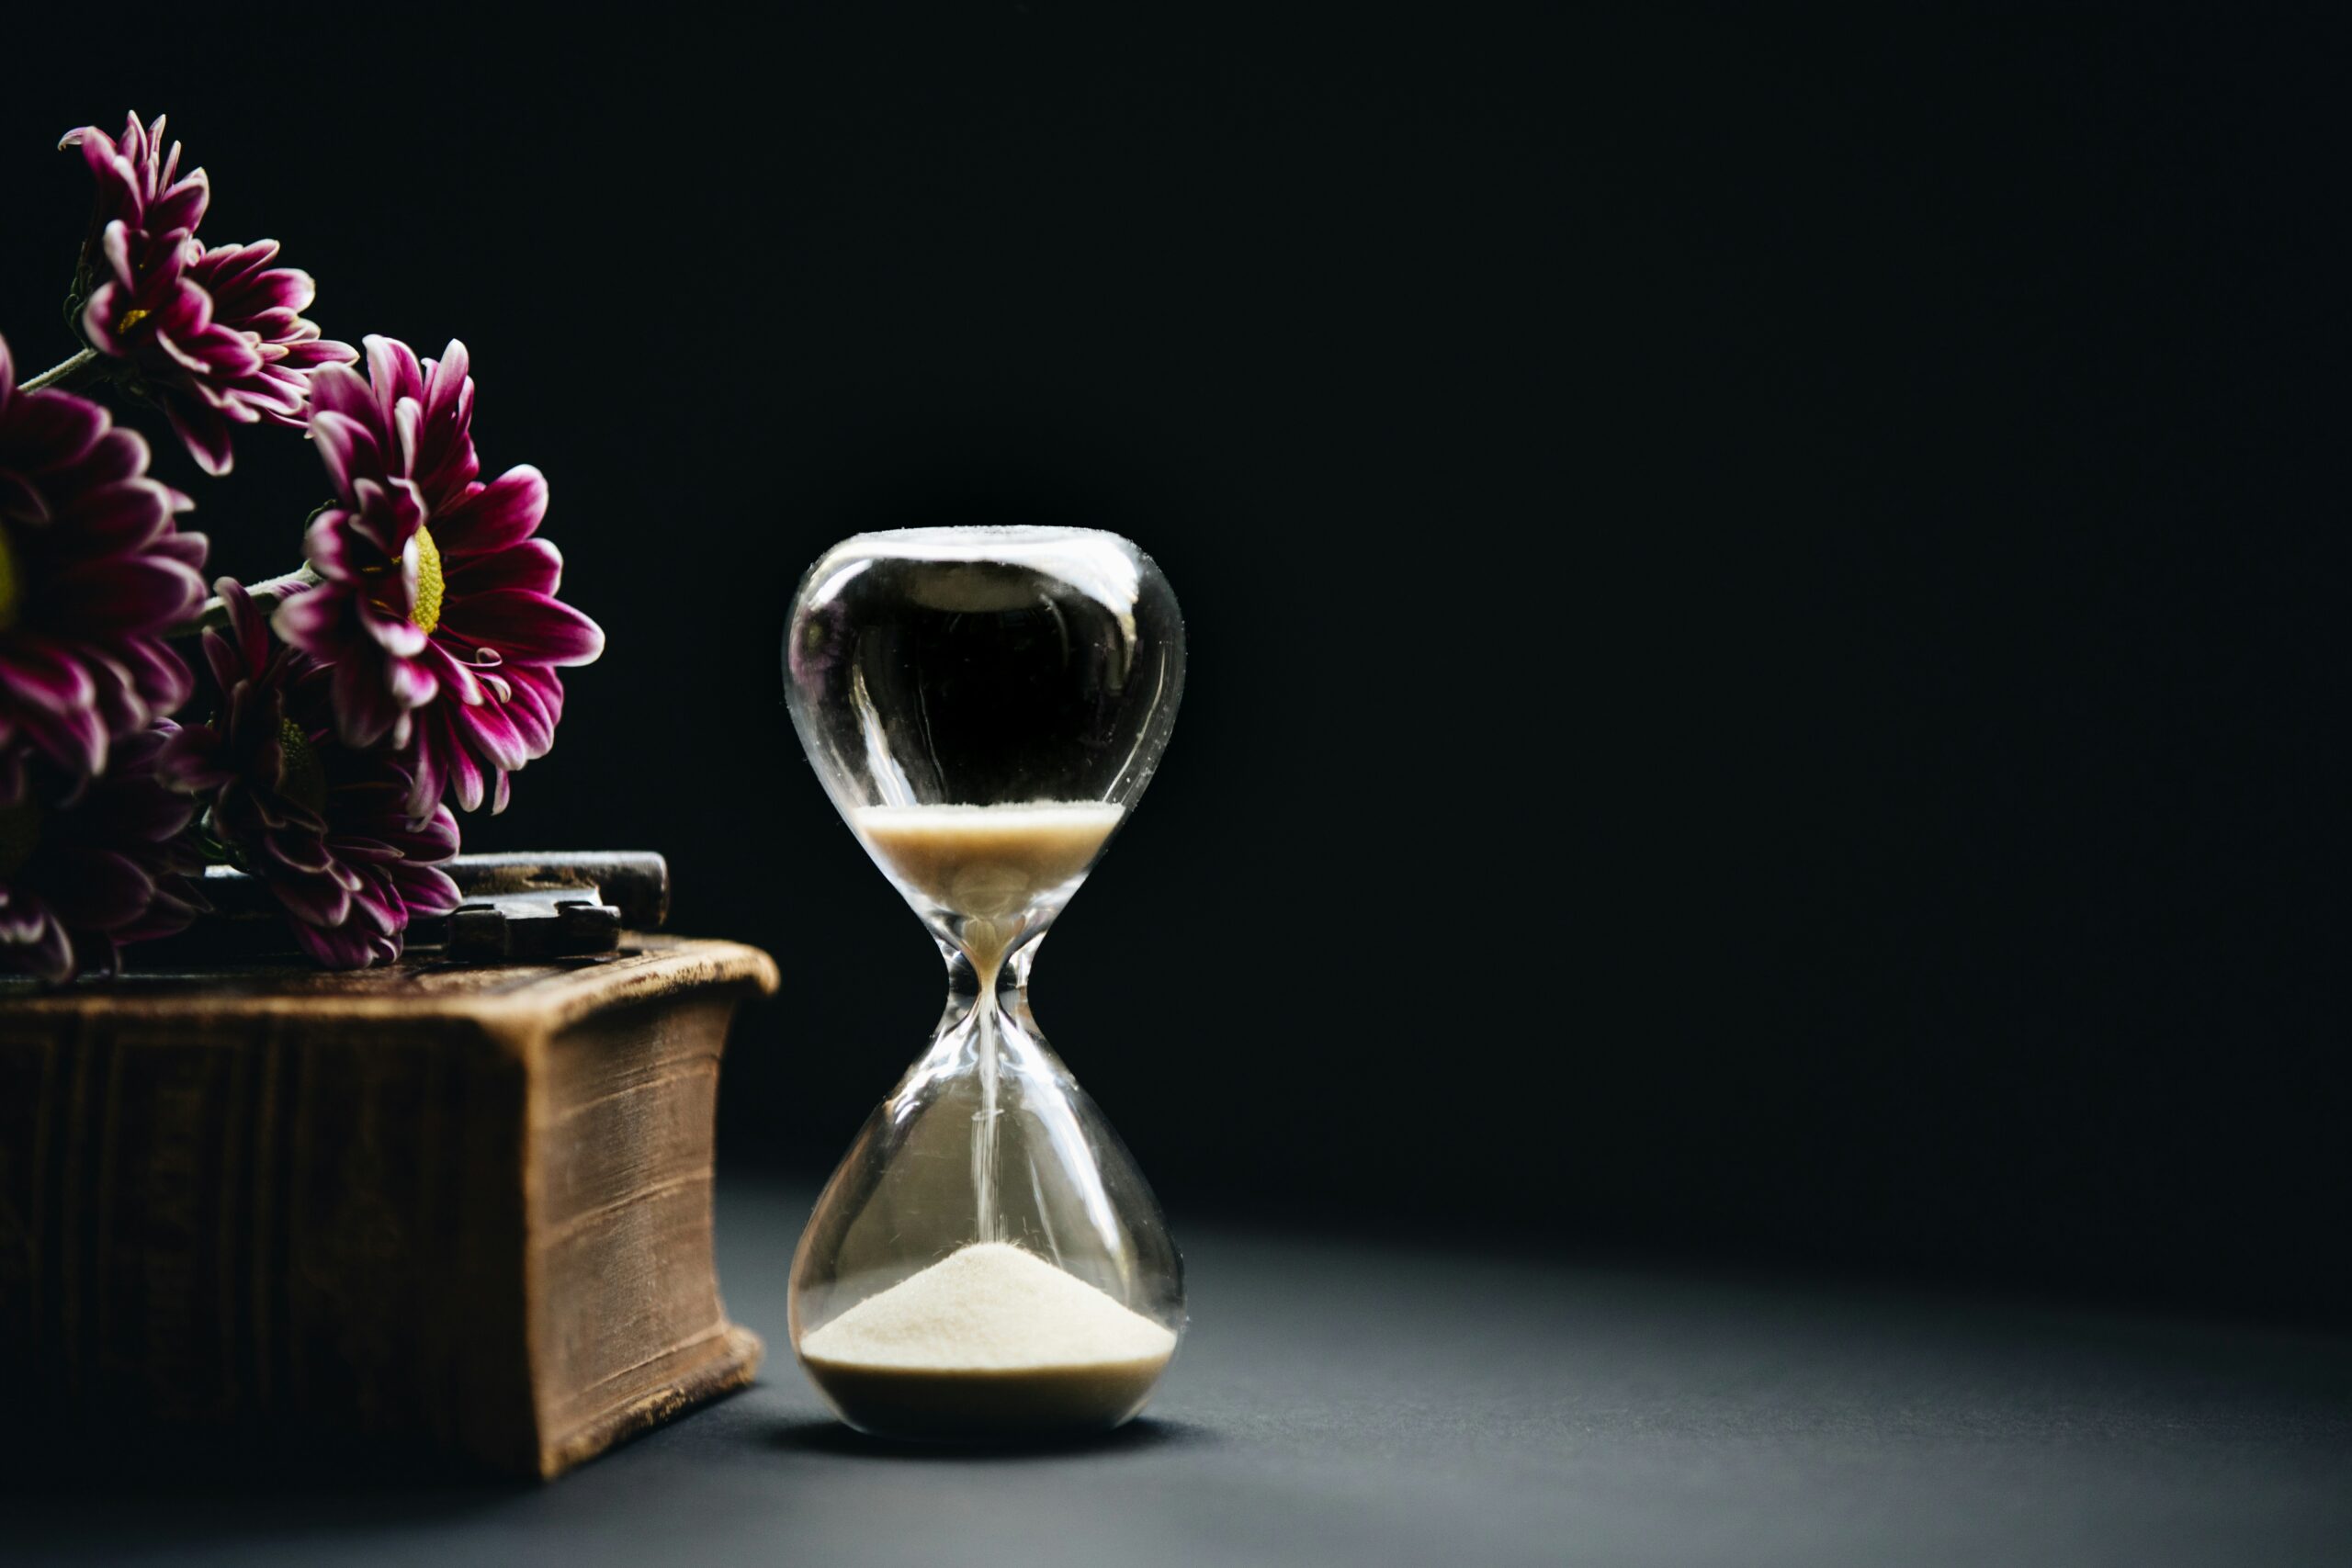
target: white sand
991 1342
990 1307
988 861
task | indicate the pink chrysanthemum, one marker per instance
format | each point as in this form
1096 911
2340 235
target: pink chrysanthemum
92 576
437 613
139 183
90 865
328 829
216 335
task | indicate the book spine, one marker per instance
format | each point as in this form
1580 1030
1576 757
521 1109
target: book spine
227 1222
127 1225
397 1203
36 1056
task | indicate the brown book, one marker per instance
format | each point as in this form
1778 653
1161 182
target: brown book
468 1206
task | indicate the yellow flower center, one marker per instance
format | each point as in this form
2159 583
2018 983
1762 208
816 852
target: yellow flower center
11 590
427 614
302 776
132 319
19 832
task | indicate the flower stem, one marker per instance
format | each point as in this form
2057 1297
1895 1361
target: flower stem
62 374
267 595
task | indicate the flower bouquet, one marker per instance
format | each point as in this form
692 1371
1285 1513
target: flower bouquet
443 1204
411 661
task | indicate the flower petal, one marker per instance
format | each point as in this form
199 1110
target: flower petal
533 566
345 444
204 433
525 628
502 512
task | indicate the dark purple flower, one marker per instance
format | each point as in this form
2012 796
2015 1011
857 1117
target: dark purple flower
253 297
437 615
93 575
217 335
89 865
139 183
328 828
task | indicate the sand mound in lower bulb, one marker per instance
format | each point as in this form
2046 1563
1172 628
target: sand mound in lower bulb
992 1342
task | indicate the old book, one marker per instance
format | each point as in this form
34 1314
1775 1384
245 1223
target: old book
468 1206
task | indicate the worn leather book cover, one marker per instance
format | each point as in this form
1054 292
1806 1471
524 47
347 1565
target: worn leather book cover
463 1206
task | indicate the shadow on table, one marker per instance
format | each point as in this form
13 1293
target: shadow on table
60 1487
819 1436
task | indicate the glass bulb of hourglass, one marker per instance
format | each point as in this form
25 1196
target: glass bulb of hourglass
985 705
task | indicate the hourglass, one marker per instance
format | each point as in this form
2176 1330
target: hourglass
985 705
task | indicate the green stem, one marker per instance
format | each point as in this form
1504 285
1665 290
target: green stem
62 374
267 595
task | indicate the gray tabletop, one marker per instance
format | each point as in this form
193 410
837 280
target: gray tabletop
1343 1404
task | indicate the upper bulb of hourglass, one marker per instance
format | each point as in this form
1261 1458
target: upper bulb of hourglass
984 706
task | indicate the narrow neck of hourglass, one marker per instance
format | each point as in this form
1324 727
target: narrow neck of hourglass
975 968
986 1031
1004 1004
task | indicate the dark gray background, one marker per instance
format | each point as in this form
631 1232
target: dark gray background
1764 587
1351 1406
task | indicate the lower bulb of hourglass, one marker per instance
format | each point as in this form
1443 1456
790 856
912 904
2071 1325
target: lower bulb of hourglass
987 1263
